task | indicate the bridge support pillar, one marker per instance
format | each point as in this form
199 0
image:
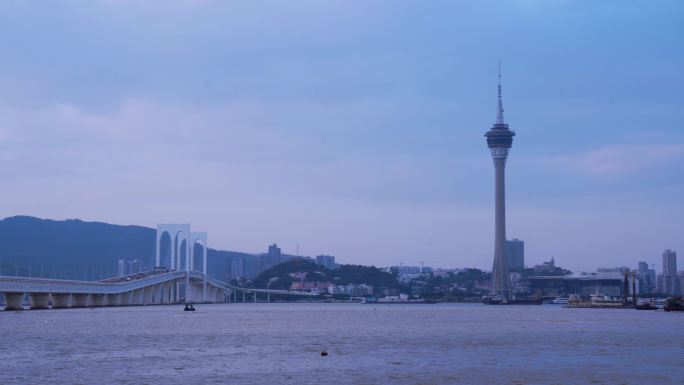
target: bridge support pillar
148 295
167 293
194 293
125 298
114 299
172 293
255 297
39 300
80 300
98 300
164 293
210 294
137 297
14 301
268 297
60 301
159 293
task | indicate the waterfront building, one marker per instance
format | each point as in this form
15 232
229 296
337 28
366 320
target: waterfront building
499 141
327 261
361 290
582 285
515 253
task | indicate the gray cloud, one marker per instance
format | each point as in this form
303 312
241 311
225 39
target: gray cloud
350 128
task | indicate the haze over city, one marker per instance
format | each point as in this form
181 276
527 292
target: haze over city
352 130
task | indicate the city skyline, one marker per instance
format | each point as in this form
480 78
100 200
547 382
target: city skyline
361 141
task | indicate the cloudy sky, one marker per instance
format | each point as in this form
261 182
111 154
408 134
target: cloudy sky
354 128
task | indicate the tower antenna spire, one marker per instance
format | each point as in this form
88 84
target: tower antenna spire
499 108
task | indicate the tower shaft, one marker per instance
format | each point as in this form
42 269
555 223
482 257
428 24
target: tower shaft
501 283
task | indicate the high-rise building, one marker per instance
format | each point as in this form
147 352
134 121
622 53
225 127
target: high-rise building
274 257
327 261
133 266
515 253
647 278
670 262
121 268
236 268
668 281
275 253
499 141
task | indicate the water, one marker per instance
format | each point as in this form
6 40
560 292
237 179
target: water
367 344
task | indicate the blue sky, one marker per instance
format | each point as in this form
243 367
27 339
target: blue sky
352 128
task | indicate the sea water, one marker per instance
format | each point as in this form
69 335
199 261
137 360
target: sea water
281 343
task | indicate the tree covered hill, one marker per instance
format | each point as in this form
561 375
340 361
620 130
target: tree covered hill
278 277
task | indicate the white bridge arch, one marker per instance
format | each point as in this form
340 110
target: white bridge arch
182 255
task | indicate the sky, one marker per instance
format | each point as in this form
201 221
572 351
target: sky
352 128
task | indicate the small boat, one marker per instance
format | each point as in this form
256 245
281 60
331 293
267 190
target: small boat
560 300
189 307
646 306
674 304
494 300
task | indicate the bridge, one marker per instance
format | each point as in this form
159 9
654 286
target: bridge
185 281
157 287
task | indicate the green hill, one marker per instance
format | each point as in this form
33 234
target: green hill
278 277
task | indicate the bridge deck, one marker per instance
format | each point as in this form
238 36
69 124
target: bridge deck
59 286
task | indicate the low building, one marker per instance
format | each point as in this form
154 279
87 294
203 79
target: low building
298 276
582 285
361 290
547 267
314 287
445 272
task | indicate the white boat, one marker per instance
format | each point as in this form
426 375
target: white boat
560 301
